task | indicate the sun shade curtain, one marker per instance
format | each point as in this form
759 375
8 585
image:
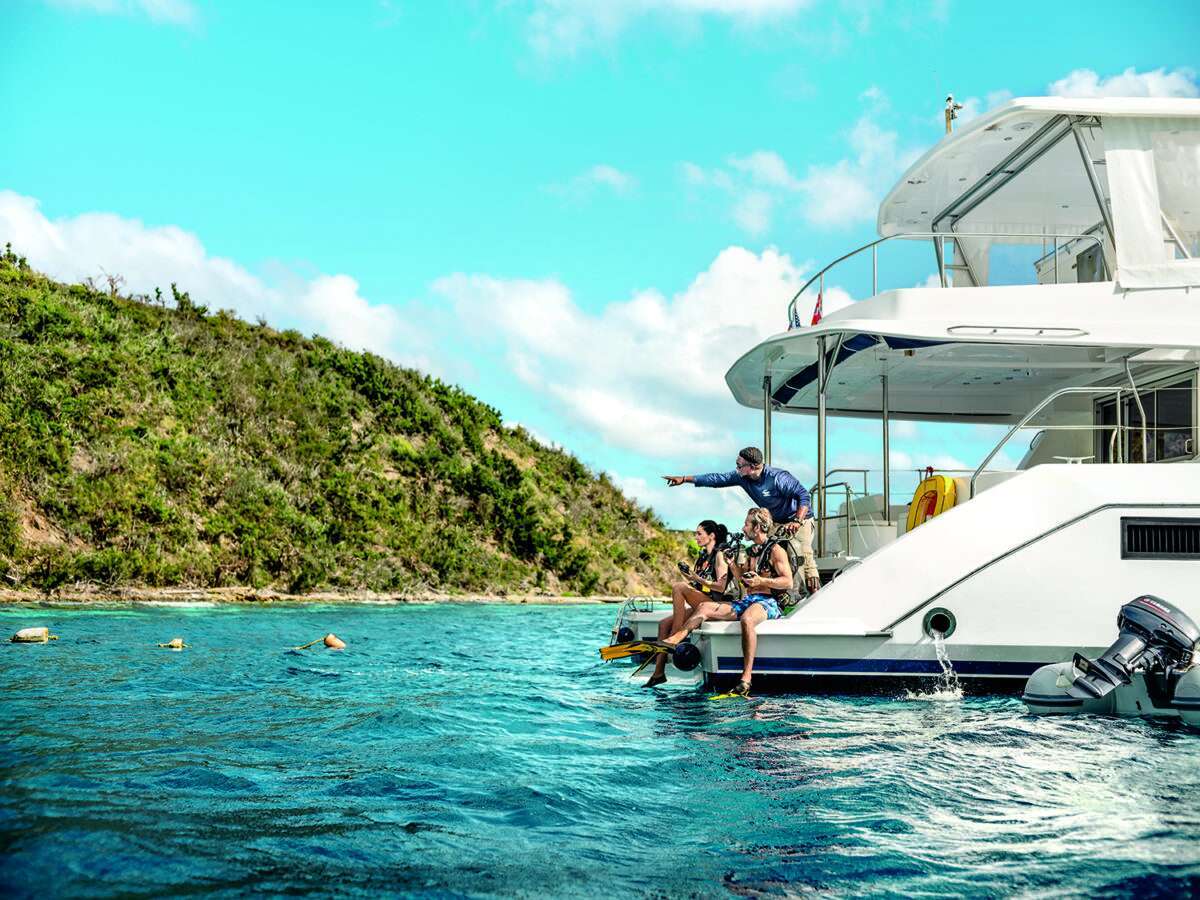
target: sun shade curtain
975 251
1153 170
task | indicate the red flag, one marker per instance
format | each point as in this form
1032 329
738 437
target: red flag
816 311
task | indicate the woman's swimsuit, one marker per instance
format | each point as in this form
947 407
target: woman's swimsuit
706 569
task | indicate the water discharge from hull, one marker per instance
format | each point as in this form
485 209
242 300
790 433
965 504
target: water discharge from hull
947 686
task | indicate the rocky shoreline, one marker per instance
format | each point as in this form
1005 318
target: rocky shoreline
94 595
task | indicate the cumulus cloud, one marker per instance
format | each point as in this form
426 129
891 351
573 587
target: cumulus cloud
752 212
563 27
839 194
766 168
92 244
165 12
686 505
599 177
848 192
1130 83
644 374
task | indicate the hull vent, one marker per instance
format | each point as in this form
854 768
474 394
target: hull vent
1160 538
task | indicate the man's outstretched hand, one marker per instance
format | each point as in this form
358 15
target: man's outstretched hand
789 529
674 480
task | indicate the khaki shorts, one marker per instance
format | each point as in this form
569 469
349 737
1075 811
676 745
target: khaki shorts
802 547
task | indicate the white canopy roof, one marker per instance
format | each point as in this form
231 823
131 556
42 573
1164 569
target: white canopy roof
1053 195
973 354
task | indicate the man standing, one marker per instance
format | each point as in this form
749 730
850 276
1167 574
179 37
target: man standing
775 490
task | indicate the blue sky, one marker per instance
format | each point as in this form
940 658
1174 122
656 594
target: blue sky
580 211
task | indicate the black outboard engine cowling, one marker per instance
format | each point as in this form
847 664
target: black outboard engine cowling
1155 636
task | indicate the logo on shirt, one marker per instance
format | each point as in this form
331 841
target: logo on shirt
765 493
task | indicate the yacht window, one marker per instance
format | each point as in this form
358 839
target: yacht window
1170 424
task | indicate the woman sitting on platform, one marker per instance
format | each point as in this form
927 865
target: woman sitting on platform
708 581
766 578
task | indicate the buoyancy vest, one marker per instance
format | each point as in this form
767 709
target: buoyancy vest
706 569
760 558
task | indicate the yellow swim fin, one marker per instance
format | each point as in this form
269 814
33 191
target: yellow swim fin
632 648
741 689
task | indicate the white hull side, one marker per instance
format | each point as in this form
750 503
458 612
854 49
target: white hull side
1032 571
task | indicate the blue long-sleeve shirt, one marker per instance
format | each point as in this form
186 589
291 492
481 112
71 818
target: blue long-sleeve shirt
777 490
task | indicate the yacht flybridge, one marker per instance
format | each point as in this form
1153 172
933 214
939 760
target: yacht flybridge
1095 356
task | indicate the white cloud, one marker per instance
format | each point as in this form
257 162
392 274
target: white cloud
1130 83
614 178
643 374
147 257
600 176
839 194
767 168
848 192
563 27
752 212
687 504
165 12
635 423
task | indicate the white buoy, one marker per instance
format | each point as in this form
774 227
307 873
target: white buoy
174 644
34 636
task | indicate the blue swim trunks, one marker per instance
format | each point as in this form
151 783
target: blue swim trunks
769 603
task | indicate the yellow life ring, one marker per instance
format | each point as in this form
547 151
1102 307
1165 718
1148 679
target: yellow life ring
934 495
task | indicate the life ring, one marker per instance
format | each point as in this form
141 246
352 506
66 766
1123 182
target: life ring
933 496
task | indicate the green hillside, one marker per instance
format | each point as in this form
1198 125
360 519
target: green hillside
147 441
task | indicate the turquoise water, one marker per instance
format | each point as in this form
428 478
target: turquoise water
484 750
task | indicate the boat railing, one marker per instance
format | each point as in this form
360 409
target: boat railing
1118 432
939 240
852 517
920 473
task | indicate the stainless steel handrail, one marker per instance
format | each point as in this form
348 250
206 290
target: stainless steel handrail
1025 420
848 493
863 472
942 236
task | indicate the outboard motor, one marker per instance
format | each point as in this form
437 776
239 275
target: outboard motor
1155 636
1157 640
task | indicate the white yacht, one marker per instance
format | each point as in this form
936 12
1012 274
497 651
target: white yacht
1092 364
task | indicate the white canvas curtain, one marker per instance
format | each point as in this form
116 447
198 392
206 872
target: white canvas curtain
976 251
1153 166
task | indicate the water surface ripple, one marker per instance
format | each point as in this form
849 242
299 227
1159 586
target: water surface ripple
484 750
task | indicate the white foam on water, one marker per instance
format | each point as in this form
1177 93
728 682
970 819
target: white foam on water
947 687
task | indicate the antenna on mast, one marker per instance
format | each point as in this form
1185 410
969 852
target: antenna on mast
952 109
